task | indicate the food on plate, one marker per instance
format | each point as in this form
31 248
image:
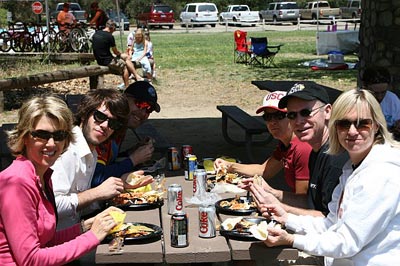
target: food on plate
237 204
133 230
119 218
257 179
229 178
208 165
129 198
230 223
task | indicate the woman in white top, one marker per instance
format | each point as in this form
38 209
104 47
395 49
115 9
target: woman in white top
137 49
362 227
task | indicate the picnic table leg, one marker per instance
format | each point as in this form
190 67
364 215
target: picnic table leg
225 132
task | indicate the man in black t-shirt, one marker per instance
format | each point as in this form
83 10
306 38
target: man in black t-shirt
103 43
309 110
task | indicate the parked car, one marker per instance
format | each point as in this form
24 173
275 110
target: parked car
199 14
281 11
320 10
238 14
119 19
352 10
156 15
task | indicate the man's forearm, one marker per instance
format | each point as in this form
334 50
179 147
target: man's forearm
87 197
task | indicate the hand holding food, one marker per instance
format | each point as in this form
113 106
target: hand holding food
137 179
104 222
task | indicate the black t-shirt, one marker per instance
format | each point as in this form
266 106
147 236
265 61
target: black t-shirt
102 43
325 170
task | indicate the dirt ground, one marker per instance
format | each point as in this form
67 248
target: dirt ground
188 110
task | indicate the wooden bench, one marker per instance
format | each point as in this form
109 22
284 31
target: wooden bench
250 125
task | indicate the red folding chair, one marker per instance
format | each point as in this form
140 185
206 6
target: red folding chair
241 53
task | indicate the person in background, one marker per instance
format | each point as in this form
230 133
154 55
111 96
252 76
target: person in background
361 228
102 42
142 99
150 53
290 154
99 17
309 111
28 221
137 49
378 81
65 19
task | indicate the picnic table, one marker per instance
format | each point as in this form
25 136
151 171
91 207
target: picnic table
200 250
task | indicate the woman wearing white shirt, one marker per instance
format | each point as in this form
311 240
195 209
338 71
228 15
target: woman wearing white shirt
362 226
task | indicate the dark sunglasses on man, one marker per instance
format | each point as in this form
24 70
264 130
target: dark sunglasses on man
101 117
303 113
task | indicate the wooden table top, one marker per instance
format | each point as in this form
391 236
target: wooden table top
200 250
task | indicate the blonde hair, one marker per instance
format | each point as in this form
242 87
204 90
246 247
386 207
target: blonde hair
30 113
140 31
359 100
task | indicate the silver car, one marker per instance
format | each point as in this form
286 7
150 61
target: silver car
281 11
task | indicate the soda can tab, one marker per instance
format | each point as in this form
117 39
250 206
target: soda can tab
199 182
190 166
173 159
175 198
207 218
179 230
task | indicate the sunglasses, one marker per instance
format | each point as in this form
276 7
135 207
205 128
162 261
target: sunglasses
303 113
144 106
113 123
360 125
274 116
58 135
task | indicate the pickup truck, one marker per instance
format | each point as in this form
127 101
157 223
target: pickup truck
74 8
310 11
239 14
352 10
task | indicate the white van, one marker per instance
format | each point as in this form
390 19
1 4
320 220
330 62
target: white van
199 14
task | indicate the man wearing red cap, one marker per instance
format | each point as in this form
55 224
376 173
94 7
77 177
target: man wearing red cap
290 154
142 99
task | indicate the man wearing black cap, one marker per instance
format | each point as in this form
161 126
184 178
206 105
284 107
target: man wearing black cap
142 99
309 110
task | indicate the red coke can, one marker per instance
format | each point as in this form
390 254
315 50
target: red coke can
207 217
185 150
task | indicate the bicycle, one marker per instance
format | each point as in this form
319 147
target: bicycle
80 38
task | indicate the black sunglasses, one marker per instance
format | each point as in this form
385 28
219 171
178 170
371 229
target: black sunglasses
360 125
113 123
274 116
303 113
58 135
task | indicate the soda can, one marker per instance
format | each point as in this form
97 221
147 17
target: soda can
185 151
190 166
173 159
207 217
199 182
179 230
175 198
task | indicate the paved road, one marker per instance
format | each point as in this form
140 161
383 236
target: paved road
259 27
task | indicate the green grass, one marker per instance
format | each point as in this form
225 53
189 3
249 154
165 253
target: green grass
194 53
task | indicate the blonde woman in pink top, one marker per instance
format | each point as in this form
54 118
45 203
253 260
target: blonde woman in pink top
28 220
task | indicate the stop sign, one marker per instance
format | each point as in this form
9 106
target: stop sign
37 8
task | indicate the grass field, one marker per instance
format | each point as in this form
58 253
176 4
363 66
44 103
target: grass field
213 53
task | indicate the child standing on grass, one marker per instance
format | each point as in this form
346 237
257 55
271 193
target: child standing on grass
149 53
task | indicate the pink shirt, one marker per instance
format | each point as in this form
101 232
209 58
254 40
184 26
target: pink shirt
28 222
295 161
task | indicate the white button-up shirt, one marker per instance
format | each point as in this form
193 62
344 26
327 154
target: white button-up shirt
73 172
